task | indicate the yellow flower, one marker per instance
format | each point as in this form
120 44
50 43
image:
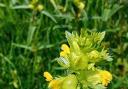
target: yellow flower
54 84
48 76
65 50
81 5
40 7
106 77
63 54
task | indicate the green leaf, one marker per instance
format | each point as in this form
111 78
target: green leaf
108 13
2 5
54 4
22 46
49 15
20 7
30 34
114 9
7 60
46 46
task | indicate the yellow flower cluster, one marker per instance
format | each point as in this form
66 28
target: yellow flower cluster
65 50
81 59
54 84
106 77
35 6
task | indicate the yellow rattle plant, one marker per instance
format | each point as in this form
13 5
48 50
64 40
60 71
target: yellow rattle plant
80 59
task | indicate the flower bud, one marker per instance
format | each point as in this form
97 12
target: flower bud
81 6
40 7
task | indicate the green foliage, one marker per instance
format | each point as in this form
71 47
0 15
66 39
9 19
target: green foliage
30 40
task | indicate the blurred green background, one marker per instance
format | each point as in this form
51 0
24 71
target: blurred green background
30 40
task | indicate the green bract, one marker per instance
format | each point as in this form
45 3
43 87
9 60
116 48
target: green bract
84 49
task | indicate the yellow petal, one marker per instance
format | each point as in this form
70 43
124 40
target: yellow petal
54 84
65 48
106 77
48 76
63 54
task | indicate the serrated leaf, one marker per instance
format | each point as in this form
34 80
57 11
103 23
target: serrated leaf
102 36
63 62
68 34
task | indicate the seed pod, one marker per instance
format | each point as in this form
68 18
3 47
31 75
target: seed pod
70 82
